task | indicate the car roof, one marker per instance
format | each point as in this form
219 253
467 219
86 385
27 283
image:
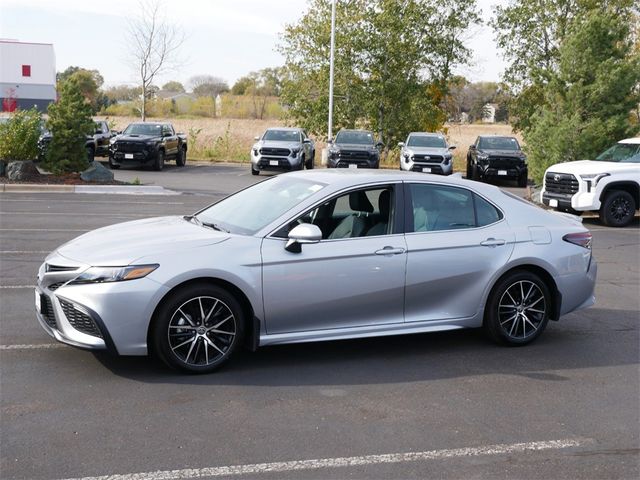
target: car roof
633 141
426 134
496 136
288 129
354 130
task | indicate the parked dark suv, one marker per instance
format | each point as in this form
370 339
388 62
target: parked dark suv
354 149
97 145
495 156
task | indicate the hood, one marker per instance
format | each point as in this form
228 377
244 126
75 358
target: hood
277 144
123 243
355 146
429 150
136 137
589 167
502 153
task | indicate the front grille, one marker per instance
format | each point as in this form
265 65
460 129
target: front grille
129 147
354 155
431 158
47 311
359 163
80 320
561 183
504 163
280 152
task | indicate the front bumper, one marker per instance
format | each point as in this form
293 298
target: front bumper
337 162
278 163
440 168
133 158
504 171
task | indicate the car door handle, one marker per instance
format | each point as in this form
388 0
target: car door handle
492 242
389 251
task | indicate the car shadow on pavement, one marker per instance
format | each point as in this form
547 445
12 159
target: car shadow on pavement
589 338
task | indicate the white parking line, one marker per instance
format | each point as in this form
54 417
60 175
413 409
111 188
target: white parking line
22 252
37 346
9 287
43 230
79 214
110 202
297 465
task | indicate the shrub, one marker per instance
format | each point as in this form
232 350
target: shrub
69 123
19 136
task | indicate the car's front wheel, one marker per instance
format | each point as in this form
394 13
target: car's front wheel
112 164
617 209
518 309
181 157
158 165
198 328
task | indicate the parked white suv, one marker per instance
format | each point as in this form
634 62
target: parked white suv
610 184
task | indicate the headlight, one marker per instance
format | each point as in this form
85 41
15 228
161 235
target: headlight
592 179
294 151
483 157
113 274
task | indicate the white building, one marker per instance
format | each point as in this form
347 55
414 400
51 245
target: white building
27 75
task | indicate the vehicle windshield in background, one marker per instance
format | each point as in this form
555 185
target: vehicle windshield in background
426 141
254 208
143 129
282 136
498 143
621 152
356 138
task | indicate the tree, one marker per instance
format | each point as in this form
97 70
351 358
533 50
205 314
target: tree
260 86
69 71
392 58
530 34
154 45
207 85
69 123
173 86
241 85
587 101
89 82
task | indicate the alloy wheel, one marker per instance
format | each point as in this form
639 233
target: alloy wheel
620 209
202 331
522 309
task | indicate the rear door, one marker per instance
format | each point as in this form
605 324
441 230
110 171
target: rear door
456 240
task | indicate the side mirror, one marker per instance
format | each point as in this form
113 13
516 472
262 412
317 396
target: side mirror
379 144
98 130
306 140
452 147
166 134
256 138
401 144
471 147
301 234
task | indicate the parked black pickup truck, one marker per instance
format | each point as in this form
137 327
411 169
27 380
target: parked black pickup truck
494 156
97 145
148 144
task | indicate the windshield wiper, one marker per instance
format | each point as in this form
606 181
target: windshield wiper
215 226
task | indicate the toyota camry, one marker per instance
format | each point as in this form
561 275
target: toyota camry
318 255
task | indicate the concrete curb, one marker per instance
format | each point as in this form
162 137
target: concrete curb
96 189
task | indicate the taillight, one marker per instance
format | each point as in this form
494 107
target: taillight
582 239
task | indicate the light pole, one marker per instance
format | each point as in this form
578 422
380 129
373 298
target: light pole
333 41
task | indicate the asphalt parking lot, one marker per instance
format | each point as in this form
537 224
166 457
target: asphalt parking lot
445 405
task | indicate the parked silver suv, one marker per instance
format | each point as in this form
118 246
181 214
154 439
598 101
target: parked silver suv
426 152
282 149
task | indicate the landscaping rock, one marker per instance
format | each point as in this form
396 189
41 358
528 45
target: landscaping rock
533 194
97 173
23 170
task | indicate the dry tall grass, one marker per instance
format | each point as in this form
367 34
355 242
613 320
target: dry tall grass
222 139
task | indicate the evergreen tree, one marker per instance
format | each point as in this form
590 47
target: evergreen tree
69 123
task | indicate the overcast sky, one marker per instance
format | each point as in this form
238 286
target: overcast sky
226 38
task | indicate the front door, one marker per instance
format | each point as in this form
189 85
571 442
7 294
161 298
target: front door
353 277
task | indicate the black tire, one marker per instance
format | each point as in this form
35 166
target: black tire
475 174
522 180
91 154
158 165
469 171
254 172
310 164
181 157
518 308
112 165
617 209
183 341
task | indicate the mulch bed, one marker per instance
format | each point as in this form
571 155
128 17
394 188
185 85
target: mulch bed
65 179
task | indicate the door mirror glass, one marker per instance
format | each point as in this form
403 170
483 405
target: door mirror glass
256 138
301 234
401 144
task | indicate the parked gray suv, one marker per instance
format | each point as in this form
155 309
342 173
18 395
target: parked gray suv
426 152
282 149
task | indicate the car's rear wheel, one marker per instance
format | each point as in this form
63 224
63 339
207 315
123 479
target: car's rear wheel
181 157
158 165
618 209
198 328
518 309
310 163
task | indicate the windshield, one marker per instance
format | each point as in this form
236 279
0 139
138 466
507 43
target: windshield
282 135
426 141
621 152
498 143
357 138
254 208
143 129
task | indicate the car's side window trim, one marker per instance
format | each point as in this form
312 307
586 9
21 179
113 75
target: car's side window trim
408 209
398 223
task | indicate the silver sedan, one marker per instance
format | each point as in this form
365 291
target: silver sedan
318 255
